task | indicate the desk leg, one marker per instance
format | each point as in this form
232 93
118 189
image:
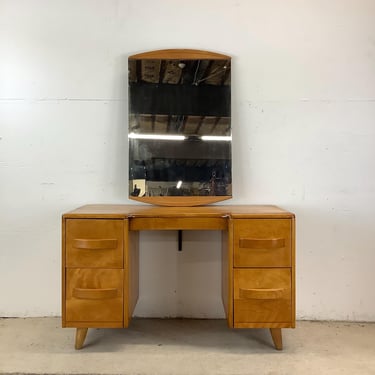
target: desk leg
277 338
80 337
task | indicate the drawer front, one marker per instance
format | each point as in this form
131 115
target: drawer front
262 243
94 295
94 243
262 295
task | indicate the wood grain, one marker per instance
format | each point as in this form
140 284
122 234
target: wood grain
63 265
101 308
277 338
104 293
80 337
123 211
258 262
182 201
260 309
100 244
264 293
131 277
262 243
293 271
179 54
94 243
176 223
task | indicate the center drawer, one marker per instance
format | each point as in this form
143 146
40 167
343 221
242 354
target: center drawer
94 243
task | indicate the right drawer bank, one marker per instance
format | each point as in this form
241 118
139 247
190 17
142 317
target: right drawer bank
263 274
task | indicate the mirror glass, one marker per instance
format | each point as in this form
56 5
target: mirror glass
179 125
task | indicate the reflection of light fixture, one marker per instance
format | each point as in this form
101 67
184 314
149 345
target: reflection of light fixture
179 183
181 65
216 137
166 137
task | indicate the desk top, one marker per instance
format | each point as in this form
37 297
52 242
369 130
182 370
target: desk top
122 211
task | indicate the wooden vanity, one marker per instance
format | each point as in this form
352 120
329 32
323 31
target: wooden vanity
100 263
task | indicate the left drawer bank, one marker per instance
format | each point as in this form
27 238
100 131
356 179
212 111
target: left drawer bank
96 282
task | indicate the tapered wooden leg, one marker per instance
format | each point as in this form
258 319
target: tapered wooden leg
80 337
277 338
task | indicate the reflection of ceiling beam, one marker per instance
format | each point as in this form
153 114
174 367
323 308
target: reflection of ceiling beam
145 124
196 72
222 126
161 124
216 72
207 125
200 71
172 72
186 125
151 70
132 70
188 149
192 123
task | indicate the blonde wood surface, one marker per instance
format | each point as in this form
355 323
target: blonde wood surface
179 54
63 257
127 269
131 276
293 272
101 244
80 337
262 243
251 306
133 271
230 273
104 293
173 223
181 201
258 257
94 243
277 338
265 293
227 273
123 211
263 325
96 301
91 324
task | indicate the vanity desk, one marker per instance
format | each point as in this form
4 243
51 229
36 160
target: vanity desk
100 263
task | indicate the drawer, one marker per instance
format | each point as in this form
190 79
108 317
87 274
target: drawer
262 243
262 295
94 295
94 243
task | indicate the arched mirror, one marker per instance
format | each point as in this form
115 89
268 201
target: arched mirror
180 127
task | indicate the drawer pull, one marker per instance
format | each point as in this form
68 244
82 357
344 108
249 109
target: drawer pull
259 243
95 293
262 293
100 244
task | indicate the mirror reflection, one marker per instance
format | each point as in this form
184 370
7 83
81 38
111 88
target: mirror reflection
179 127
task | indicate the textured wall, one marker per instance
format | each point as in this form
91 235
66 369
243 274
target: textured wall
303 111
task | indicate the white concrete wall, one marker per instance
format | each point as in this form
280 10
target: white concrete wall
303 115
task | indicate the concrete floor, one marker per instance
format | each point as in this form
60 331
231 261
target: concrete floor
155 346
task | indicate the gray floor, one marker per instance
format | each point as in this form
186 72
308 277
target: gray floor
153 346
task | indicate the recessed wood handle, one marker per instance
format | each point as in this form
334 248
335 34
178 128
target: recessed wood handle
261 243
95 293
262 293
97 244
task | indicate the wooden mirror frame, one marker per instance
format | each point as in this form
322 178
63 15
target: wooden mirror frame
180 54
